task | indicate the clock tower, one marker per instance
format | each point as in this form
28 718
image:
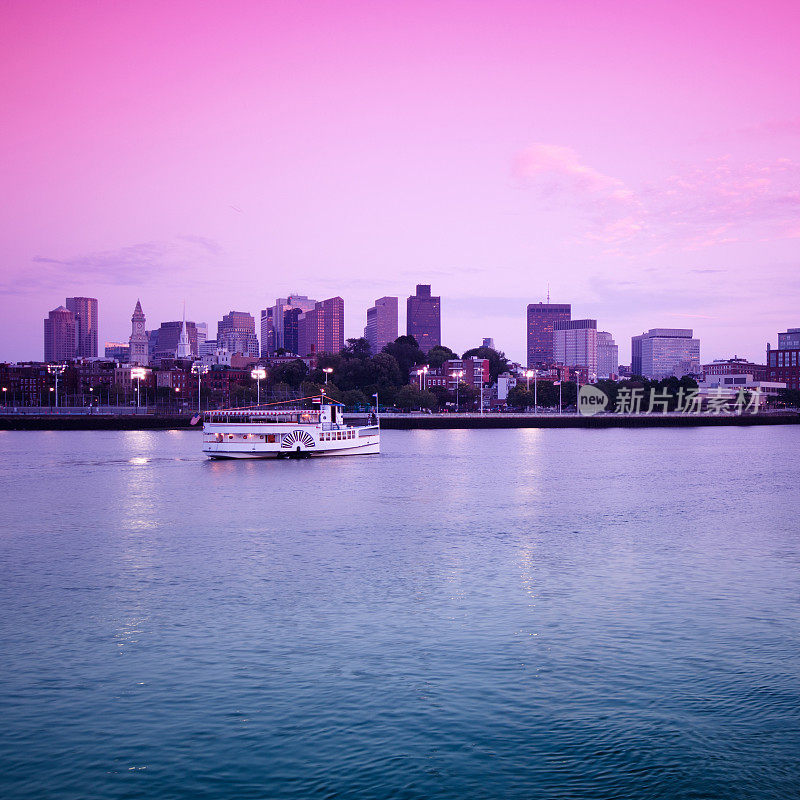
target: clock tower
138 340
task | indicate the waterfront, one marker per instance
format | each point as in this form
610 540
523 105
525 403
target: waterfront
473 614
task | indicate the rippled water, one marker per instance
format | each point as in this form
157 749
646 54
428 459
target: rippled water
472 614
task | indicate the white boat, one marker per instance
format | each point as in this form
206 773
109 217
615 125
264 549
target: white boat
265 432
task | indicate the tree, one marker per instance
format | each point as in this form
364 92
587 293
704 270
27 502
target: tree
292 373
438 354
356 348
354 397
407 354
410 397
519 397
498 362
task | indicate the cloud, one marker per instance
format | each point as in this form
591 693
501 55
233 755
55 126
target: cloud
132 265
560 168
716 202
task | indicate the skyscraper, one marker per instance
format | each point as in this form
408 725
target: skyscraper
283 304
86 325
423 318
662 352
139 354
267 332
541 319
59 335
236 333
321 330
575 344
381 323
607 355
165 342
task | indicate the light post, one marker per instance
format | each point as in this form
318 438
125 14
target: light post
56 370
458 374
257 375
327 371
5 396
137 373
424 377
51 397
200 369
528 375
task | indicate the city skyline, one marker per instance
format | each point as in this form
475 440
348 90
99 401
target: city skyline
230 154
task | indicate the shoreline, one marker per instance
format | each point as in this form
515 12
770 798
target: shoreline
77 422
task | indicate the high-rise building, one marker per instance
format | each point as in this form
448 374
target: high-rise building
321 330
202 333
118 351
607 356
663 352
291 328
783 364
86 325
541 319
789 339
575 344
267 332
166 341
59 335
424 318
139 345
283 304
381 326
236 333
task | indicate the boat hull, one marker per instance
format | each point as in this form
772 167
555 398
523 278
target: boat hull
221 452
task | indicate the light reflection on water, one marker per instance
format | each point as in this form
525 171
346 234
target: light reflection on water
472 614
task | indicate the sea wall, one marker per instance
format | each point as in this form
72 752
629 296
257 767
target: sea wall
48 422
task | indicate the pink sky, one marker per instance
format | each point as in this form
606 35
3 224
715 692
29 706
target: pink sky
643 158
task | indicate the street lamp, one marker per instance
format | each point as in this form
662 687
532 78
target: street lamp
137 373
327 371
56 370
5 395
258 374
200 369
458 375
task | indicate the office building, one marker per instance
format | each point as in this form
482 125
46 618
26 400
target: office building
607 356
789 339
663 352
117 351
166 341
59 335
321 330
267 332
138 342
236 333
734 366
423 318
277 317
84 310
381 326
575 344
541 319
783 364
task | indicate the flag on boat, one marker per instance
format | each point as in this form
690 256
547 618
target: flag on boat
556 383
317 400
195 419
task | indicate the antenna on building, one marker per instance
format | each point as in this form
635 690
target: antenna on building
548 294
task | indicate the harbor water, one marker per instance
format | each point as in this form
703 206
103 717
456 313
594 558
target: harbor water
471 614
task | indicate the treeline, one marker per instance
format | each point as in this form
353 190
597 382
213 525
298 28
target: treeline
547 392
356 375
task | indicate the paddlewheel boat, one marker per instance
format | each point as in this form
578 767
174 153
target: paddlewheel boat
274 432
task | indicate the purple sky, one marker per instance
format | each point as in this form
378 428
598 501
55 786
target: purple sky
640 157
